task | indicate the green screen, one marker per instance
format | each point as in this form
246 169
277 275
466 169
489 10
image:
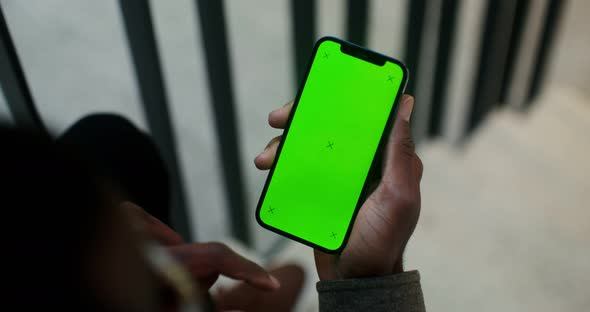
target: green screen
329 147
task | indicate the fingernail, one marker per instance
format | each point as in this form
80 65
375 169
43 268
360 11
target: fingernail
274 112
407 108
275 282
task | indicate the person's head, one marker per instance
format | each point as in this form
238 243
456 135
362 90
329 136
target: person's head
66 245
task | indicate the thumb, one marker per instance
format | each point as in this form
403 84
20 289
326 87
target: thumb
400 157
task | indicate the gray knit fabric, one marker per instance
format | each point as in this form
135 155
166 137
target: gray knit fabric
399 292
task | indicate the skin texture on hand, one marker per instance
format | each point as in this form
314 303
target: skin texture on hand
388 217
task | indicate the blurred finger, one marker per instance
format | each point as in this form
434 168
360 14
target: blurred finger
265 159
245 297
208 259
278 117
151 226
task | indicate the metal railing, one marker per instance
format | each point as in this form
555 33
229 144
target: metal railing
499 46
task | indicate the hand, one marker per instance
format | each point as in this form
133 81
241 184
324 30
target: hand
388 217
205 261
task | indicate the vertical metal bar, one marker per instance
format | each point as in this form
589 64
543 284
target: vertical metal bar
303 14
494 49
414 27
552 22
423 75
463 69
212 22
358 12
142 43
446 39
518 27
14 84
522 72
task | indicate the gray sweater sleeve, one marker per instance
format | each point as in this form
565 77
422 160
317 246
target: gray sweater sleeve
399 292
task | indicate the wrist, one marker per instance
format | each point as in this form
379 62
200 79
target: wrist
398 267
357 271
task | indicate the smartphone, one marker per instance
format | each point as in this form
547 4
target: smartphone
338 125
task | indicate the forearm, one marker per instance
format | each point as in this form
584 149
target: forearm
399 292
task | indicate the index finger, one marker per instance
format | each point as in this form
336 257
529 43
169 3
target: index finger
278 117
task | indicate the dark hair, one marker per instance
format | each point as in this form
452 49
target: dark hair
52 210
